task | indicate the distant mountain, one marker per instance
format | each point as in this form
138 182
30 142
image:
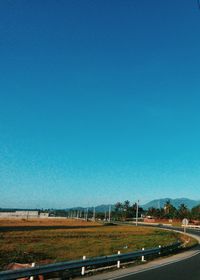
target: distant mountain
158 203
103 208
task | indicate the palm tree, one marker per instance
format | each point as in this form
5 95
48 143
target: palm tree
195 212
169 210
118 206
183 211
126 205
167 207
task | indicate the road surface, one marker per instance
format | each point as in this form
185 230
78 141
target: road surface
188 269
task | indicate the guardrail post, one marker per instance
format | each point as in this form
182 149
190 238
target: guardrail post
143 260
32 265
83 267
118 262
159 249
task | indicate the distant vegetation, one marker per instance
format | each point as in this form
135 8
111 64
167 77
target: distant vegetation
126 210
160 209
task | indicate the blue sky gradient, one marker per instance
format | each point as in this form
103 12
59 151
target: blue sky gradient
99 101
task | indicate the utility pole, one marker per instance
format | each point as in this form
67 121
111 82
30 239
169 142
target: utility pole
86 214
137 212
94 214
109 213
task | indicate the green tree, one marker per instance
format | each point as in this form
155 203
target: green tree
118 211
169 210
195 212
126 205
183 211
156 212
118 207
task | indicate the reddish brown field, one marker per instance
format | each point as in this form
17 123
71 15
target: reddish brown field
46 222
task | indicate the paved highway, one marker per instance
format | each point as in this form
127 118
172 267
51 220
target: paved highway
188 269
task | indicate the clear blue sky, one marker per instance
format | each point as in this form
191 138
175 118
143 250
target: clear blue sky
99 101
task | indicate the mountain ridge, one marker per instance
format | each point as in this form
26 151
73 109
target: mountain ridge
156 203
159 203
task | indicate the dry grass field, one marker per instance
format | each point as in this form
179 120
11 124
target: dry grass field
47 246
45 222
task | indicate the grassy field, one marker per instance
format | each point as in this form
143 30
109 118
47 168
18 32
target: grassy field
45 222
47 246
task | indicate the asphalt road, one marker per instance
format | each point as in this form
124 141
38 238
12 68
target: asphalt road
184 270
188 269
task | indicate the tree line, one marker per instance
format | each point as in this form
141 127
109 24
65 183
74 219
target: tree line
126 210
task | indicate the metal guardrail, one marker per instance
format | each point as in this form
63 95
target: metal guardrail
191 226
94 262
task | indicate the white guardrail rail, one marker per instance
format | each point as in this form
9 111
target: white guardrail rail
89 263
191 226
